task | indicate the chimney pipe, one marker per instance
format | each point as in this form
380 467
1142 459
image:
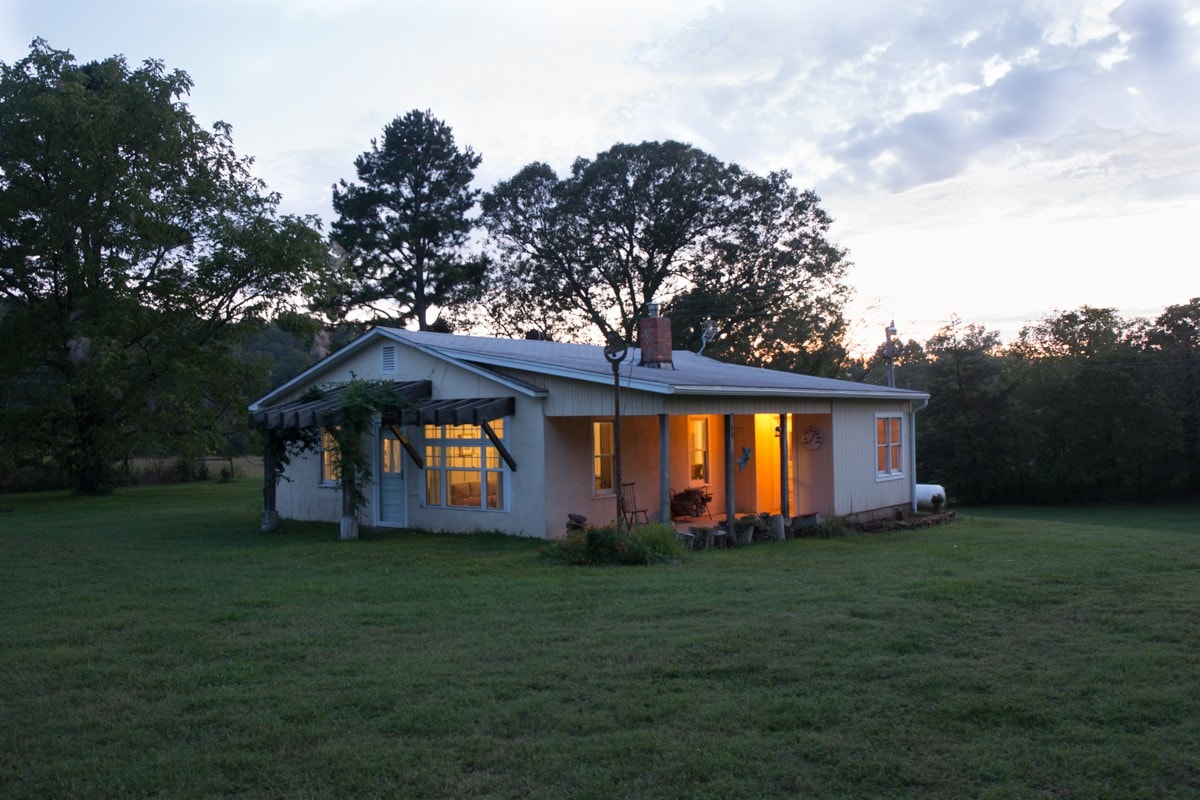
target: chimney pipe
654 338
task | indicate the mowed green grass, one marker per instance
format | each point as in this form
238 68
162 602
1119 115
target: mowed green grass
156 644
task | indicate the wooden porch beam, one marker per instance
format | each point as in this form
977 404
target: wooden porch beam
408 446
491 434
664 468
785 493
730 505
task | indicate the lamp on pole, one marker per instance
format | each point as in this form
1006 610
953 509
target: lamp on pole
615 352
889 332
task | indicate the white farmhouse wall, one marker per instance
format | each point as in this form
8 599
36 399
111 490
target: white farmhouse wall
857 490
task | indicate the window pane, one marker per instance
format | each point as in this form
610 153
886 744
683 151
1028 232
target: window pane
464 489
495 494
602 438
462 457
464 432
881 459
433 487
391 455
603 472
896 458
491 458
329 470
895 438
881 431
498 427
698 449
433 457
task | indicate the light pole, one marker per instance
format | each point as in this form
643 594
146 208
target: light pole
889 332
615 351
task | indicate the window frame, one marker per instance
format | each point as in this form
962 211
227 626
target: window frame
889 448
706 462
443 451
599 458
328 473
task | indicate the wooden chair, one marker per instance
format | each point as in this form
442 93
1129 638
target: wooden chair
632 510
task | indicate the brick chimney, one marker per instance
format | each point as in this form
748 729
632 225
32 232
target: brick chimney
654 337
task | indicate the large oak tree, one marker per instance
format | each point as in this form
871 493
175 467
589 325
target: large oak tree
133 245
666 222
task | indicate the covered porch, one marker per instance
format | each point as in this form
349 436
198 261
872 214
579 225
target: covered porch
701 469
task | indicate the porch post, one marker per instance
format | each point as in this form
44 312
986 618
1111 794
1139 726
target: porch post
270 516
664 468
785 489
730 506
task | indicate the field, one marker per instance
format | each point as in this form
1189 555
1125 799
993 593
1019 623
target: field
156 644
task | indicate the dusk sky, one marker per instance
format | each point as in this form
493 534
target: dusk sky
997 160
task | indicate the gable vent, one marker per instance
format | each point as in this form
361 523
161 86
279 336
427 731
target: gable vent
388 363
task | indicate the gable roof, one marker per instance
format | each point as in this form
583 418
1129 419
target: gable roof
693 374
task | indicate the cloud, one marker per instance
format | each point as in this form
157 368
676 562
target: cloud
894 98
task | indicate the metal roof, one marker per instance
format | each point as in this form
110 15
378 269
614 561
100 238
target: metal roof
693 374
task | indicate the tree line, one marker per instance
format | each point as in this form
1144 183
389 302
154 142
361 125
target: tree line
150 288
147 277
1085 405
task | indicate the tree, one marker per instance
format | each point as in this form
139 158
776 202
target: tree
966 442
665 222
1093 422
134 245
405 228
1175 340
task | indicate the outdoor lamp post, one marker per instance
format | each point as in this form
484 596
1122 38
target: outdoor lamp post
615 351
889 332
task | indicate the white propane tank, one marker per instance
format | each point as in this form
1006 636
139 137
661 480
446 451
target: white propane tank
926 492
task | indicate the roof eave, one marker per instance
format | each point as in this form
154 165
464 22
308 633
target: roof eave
799 393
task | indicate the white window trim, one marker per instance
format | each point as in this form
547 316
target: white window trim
482 442
898 472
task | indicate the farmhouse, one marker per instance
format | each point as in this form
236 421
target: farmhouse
513 435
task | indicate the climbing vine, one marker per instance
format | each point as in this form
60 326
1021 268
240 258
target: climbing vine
358 404
350 422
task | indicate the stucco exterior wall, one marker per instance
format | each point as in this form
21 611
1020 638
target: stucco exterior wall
812 469
303 497
525 509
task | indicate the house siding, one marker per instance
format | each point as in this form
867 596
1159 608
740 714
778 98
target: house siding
857 492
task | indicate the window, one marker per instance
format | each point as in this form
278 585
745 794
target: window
698 449
602 457
462 467
330 473
888 447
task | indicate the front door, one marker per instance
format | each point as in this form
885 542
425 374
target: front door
391 480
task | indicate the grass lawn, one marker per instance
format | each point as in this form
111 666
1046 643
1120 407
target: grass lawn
156 644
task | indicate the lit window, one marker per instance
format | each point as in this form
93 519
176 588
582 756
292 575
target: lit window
330 472
602 457
698 449
463 469
888 447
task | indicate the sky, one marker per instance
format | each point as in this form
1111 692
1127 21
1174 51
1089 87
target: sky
995 160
